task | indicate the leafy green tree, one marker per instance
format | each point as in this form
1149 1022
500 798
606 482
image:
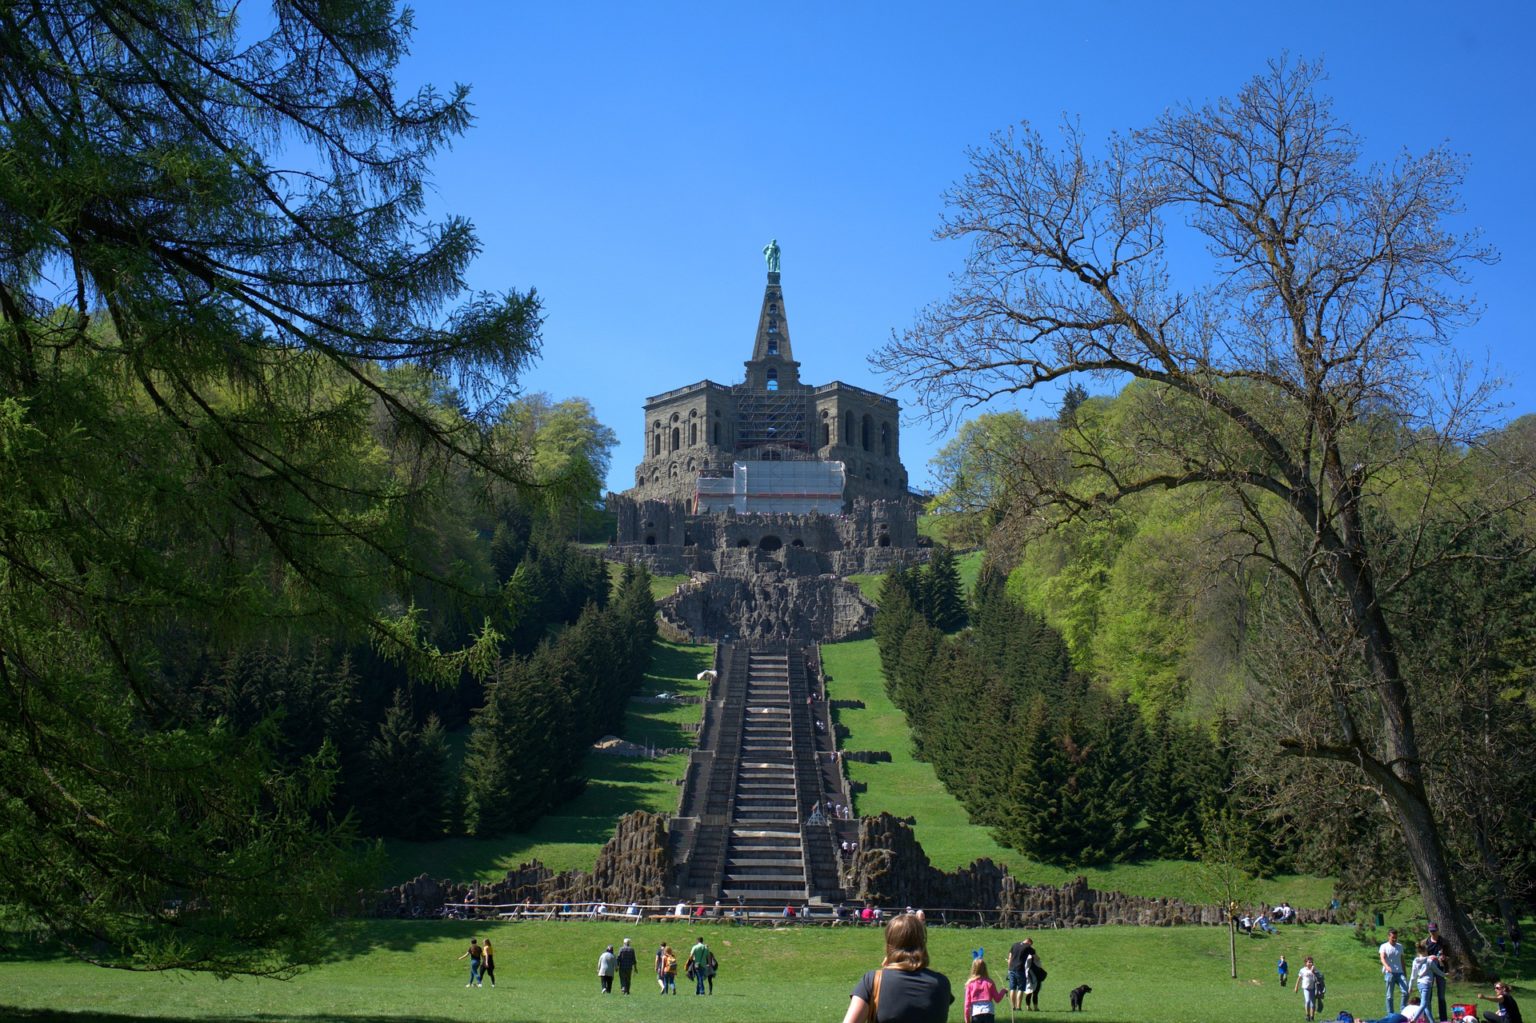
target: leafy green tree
236 421
1298 382
570 454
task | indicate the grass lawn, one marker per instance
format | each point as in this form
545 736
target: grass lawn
909 787
661 585
408 971
571 837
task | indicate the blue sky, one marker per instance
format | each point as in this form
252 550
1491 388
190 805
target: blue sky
630 161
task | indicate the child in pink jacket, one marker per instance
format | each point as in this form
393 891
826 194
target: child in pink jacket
981 995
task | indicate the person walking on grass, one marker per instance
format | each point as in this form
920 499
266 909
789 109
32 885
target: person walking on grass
981 995
488 962
1306 983
1016 981
606 964
698 965
668 969
1034 976
1391 955
626 964
1283 968
473 954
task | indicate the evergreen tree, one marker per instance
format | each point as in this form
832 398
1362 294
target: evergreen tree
239 417
943 598
408 775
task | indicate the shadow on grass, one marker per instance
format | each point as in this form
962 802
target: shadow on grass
9 1013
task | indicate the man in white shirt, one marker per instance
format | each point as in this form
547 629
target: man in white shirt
1391 955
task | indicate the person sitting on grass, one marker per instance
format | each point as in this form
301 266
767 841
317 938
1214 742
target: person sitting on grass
1412 1012
1508 1012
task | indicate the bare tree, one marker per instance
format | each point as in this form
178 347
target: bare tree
1307 378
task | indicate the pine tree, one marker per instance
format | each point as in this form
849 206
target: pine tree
235 420
943 598
408 776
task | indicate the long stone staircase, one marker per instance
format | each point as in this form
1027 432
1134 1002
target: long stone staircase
744 832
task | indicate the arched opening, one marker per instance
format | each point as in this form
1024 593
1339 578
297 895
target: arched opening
885 539
797 542
867 427
650 539
826 434
770 543
693 434
885 439
717 435
656 443
773 380
677 436
848 430
773 344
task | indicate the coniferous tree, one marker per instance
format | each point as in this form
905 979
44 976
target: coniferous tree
221 429
408 775
943 598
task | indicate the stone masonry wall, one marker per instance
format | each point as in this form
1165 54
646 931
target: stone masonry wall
635 864
891 869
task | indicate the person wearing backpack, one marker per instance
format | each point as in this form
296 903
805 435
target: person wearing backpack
668 969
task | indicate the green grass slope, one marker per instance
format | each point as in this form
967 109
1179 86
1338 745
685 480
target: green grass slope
407 971
570 838
908 787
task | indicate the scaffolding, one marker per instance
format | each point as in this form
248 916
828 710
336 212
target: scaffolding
775 488
771 418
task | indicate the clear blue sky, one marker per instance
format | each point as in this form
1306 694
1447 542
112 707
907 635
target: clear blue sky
631 160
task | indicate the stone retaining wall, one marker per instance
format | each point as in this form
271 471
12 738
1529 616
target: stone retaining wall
634 865
891 869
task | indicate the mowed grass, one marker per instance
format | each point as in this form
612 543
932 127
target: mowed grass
398 970
908 787
571 837
662 586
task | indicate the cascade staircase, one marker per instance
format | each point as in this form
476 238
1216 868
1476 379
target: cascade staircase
743 832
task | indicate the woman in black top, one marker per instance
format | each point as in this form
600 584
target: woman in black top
903 990
1509 1012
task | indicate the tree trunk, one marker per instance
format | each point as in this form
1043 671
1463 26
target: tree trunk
1232 941
1426 852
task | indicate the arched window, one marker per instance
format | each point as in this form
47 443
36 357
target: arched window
848 430
693 433
773 380
885 439
773 346
717 434
867 429
826 435
676 438
656 443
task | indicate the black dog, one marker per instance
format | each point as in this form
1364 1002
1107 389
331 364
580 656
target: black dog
1077 997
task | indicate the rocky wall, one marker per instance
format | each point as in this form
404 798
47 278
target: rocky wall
634 865
769 608
891 869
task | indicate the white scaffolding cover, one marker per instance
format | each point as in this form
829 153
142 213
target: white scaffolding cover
775 488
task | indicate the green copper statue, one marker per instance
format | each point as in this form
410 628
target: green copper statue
771 254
